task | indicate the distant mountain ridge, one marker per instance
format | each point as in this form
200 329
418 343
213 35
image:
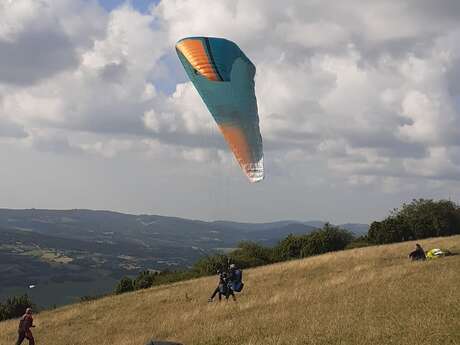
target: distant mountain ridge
91 250
101 222
63 222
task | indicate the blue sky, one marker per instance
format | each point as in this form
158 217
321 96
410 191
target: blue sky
141 5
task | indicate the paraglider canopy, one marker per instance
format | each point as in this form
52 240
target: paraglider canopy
437 253
224 77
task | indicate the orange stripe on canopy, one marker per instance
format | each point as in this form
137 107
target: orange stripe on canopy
236 139
195 53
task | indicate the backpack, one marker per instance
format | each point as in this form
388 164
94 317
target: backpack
237 283
237 286
238 275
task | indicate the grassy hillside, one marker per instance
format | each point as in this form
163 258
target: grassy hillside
371 295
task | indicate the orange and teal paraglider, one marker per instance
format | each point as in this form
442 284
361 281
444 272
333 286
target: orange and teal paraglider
224 78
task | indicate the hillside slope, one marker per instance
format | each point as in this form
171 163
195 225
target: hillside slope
364 296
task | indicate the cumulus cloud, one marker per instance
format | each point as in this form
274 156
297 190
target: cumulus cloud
107 90
51 141
369 90
367 87
11 129
39 39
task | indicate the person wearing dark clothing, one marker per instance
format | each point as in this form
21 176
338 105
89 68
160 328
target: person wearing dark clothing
25 324
230 281
418 253
221 288
230 292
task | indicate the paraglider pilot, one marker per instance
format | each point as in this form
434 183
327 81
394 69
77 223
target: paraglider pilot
25 323
418 253
229 283
221 288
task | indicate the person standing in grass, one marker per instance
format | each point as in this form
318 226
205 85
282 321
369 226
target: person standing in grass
25 324
231 281
221 288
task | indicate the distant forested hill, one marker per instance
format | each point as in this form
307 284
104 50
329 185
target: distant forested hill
92 249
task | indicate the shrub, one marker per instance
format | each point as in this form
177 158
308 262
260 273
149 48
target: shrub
124 285
210 264
15 307
168 277
327 239
89 298
359 242
250 254
419 219
144 280
290 247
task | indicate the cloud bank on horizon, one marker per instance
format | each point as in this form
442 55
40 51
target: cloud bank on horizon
363 95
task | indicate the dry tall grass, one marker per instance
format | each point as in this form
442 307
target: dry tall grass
372 295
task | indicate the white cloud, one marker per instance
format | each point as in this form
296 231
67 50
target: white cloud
110 148
107 91
11 129
369 93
